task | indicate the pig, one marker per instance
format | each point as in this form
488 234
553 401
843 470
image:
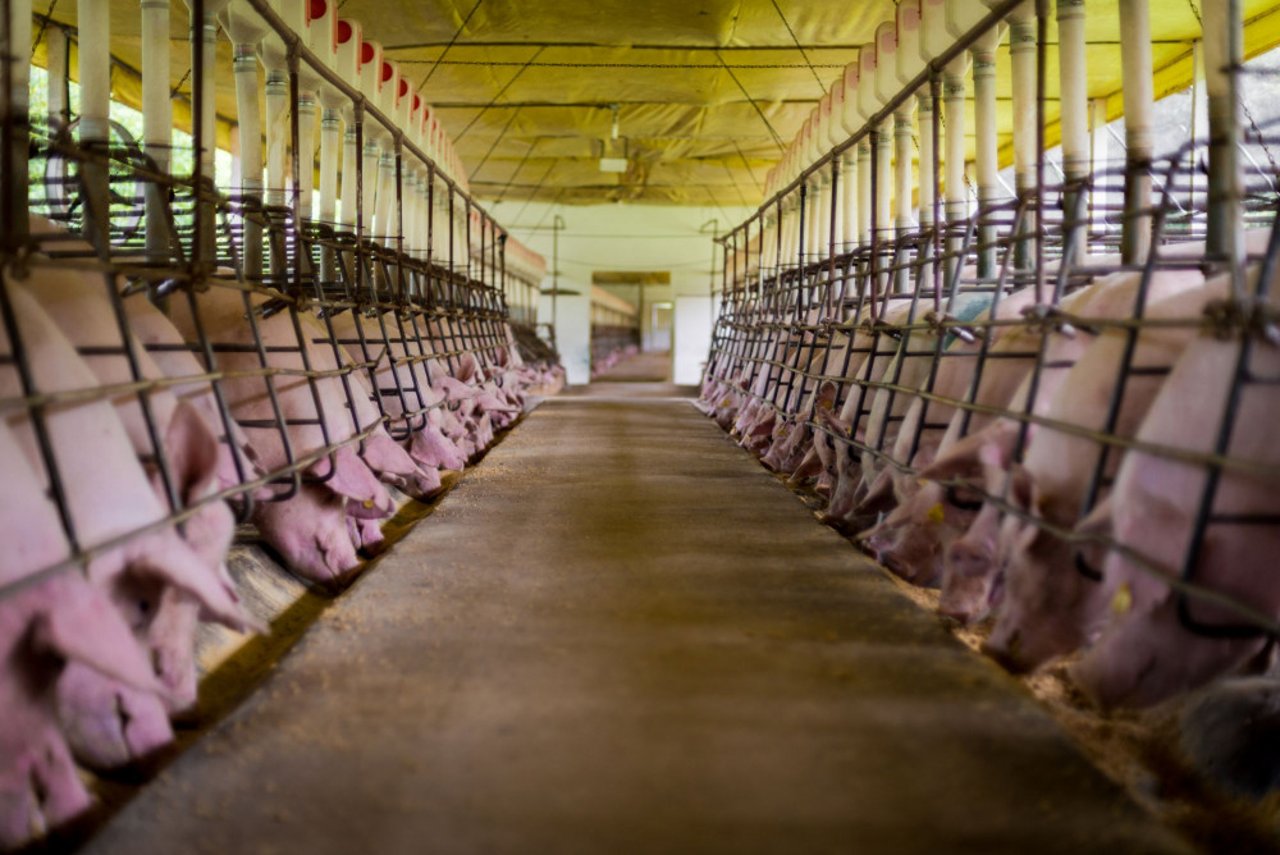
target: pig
380 452
83 312
237 459
312 536
109 499
972 575
46 624
844 459
1049 607
915 539
223 314
1144 654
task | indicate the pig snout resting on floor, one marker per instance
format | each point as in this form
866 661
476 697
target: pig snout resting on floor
1145 653
49 625
91 448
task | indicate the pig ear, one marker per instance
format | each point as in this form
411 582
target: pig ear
83 625
193 452
168 559
353 479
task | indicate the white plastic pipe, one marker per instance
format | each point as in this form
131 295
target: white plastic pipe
908 67
814 244
322 38
885 77
56 53
371 83
157 113
1101 156
348 64
1074 106
1139 103
986 148
246 29
893 49
953 102
1022 61
867 105
306 152
851 121
835 136
1223 52
936 38
277 128
93 17
385 227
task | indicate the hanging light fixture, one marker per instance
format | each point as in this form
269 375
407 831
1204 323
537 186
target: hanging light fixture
612 164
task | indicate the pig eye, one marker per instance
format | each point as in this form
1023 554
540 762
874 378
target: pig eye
1085 569
964 498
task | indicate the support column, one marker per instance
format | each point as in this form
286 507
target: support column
1074 102
1139 101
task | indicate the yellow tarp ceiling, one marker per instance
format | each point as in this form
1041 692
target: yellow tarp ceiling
703 90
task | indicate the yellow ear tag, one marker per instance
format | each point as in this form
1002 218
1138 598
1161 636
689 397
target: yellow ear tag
726 401
936 513
826 405
368 504
1123 599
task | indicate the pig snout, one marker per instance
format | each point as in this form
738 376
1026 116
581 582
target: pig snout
967 581
108 724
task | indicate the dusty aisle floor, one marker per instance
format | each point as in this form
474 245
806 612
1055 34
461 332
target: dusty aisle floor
619 634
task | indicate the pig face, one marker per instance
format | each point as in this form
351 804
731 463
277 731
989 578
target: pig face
1144 661
58 624
837 460
310 533
912 539
1050 606
107 723
396 467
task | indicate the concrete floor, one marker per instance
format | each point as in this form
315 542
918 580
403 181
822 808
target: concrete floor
620 634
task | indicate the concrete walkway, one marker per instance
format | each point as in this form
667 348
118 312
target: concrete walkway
619 634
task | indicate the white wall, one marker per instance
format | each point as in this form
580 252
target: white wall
694 319
573 332
626 237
